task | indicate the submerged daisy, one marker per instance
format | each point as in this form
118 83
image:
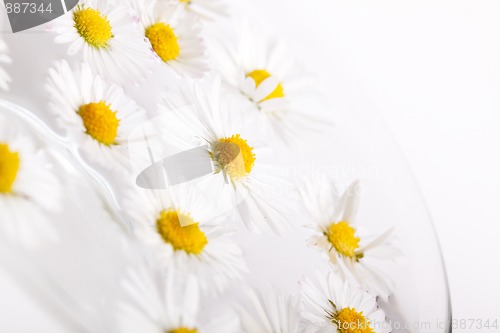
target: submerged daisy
4 59
239 182
104 32
334 302
28 189
97 115
360 257
185 233
274 312
174 35
267 78
162 303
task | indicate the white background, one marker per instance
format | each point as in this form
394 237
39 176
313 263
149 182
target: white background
432 70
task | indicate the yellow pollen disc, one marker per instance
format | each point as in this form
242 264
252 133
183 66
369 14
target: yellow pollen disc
342 236
185 1
188 238
93 26
259 76
164 41
183 330
348 320
100 122
234 156
9 166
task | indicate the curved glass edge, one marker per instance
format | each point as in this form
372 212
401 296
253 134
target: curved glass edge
404 160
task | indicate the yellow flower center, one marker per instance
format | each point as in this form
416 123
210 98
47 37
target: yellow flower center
234 156
185 236
342 236
9 166
183 329
348 320
164 41
93 26
259 76
100 122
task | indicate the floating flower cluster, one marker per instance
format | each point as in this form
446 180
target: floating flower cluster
221 97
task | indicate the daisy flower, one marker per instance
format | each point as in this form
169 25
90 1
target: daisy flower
185 233
208 9
360 257
96 115
4 59
174 36
160 303
108 38
266 77
333 302
239 183
274 312
28 189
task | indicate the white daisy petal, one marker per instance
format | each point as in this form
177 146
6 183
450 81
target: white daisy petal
206 9
4 59
163 301
352 202
273 312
